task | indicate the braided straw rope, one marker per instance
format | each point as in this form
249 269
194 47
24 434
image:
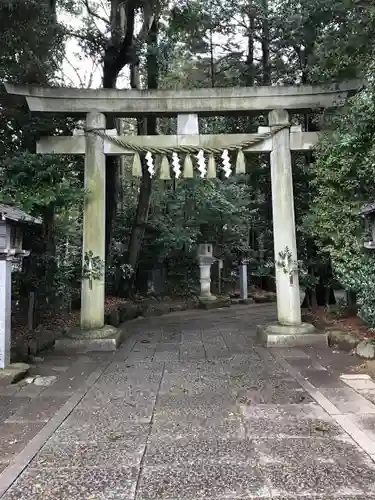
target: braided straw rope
187 149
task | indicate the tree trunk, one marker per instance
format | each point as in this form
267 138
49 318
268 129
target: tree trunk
250 75
118 53
266 80
147 126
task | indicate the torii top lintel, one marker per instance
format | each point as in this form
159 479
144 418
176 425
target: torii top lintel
217 101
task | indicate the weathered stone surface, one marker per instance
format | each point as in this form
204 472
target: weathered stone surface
45 381
129 311
246 302
263 298
341 339
366 349
218 302
216 101
292 479
120 449
277 335
107 338
179 306
368 394
348 401
9 405
360 382
298 420
114 318
208 481
40 409
15 436
13 373
43 339
155 309
68 483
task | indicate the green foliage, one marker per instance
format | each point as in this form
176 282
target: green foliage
345 167
39 181
31 40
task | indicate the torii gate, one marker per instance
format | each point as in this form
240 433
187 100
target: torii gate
279 140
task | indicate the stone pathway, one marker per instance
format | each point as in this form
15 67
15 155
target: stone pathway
190 408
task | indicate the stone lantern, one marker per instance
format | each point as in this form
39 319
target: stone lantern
12 224
368 212
205 260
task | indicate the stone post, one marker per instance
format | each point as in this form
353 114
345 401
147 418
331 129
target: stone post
284 233
93 291
5 309
243 280
205 259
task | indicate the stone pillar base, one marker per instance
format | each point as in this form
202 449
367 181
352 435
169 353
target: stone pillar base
276 335
214 302
12 373
207 298
108 338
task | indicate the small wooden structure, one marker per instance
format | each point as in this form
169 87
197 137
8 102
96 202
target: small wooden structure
368 212
12 224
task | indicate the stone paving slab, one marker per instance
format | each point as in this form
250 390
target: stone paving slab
122 449
226 420
96 483
14 437
348 400
201 481
9 405
40 409
369 394
324 479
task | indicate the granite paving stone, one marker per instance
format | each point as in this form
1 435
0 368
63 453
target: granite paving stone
96 483
288 420
166 357
97 424
322 379
30 391
347 400
14 437
163 451
39 410
316 478
202 481
9 390
192 351
368 394
3 466
341 451
167 425
119 449
366 423
184 405
9 405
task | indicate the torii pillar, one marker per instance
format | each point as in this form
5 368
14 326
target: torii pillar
289 329
93 291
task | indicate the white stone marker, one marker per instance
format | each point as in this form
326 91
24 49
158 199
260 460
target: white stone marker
93 293
284 233
243 280
5 310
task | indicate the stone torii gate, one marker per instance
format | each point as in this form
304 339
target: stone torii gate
279 139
